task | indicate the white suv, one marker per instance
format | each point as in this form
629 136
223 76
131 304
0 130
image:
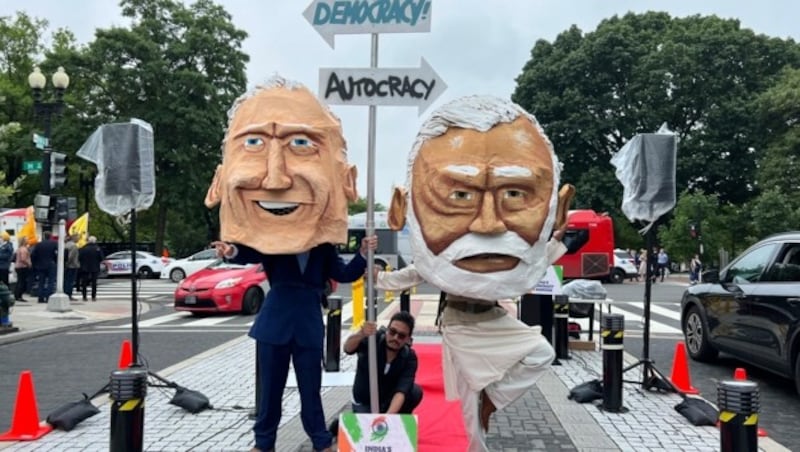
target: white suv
624 267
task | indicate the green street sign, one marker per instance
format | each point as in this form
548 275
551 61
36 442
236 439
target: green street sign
32 166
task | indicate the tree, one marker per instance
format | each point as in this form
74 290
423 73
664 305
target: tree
179 68
6 131
594 91
360 205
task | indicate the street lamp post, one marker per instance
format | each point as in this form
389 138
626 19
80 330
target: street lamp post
46 110
58 301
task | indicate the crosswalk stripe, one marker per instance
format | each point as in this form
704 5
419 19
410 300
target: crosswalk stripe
159 320
209 321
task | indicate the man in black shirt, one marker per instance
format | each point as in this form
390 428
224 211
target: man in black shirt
397 366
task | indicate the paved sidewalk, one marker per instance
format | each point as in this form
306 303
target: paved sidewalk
542 420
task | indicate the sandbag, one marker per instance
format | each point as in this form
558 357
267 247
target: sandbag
67 416
587 391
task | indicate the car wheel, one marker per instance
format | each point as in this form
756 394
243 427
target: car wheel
251 302
695 333
617 276
177 275
145 273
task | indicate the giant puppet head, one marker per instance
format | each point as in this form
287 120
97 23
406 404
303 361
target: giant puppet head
483 199
284 182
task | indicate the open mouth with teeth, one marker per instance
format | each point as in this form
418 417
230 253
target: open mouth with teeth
487 263
278 208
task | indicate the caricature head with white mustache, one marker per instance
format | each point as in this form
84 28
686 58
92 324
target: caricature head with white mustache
483 199
284 181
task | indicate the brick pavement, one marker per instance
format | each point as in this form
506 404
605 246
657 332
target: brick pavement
542 420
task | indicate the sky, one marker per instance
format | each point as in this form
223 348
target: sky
475 47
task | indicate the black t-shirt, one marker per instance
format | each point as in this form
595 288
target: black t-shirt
399 377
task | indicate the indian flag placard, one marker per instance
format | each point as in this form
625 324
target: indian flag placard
550 284
377 432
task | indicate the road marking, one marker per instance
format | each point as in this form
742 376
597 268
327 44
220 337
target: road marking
158 320
209 321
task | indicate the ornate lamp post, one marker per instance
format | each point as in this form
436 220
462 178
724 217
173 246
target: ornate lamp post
46 110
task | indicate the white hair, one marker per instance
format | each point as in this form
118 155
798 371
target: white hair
274 82
480 113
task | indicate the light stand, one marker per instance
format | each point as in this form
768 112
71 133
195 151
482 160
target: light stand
187 399
652 378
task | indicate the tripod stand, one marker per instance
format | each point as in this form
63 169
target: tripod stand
652 378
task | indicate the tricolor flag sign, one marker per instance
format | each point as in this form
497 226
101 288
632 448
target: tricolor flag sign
377 432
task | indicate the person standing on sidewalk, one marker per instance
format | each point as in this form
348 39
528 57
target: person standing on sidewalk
6 253
71 264
663 263
43 259
90 258
22 266
486 219
283 188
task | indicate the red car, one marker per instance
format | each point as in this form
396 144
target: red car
223 287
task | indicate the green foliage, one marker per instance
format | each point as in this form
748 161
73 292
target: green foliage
360 205
594 91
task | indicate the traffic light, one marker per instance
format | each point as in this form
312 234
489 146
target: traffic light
58 170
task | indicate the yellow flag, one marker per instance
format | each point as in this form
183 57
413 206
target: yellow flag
29 228
80 227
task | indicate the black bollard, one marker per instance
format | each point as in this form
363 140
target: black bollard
333 336
405 301
612 334
538 310
738 415
127 389
561 324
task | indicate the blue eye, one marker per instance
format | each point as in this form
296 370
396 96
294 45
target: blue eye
252 142
301 142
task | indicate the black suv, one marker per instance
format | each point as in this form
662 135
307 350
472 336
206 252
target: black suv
749 309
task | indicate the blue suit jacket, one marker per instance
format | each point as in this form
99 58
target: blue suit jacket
292 309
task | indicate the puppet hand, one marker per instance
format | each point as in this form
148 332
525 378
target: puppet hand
368 243
558 234
368 328
223 249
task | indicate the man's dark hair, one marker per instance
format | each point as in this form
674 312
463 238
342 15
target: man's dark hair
406 318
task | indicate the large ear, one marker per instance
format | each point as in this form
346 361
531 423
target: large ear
212 196
397 210
565 196
350 189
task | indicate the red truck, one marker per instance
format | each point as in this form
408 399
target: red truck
589 239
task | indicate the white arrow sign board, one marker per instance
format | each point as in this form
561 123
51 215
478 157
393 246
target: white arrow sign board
336 17
418 87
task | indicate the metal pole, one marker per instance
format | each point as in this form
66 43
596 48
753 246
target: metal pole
738 403
46 153
127 390
59 301
134 301
561 320
371 308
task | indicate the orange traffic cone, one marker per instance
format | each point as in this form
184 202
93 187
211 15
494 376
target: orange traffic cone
125 355
680 371
25 422
741 374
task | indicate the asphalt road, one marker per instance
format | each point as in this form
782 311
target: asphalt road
66 365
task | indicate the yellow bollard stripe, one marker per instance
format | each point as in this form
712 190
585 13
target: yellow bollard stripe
751 420
619 335
336 312
726 416
605 333
130 405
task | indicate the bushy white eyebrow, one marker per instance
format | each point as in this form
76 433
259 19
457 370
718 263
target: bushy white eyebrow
512 171
465 170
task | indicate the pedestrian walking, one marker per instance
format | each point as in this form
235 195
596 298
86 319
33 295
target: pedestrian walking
6 253
71 264
695 266
90 258
43 259
22 266
663 263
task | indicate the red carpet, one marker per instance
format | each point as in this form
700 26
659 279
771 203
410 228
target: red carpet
441 427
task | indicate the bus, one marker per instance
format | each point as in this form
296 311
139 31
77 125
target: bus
589 239
394 247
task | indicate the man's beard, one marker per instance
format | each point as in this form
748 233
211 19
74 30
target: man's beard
440 271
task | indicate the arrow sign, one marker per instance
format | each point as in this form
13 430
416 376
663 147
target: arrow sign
337 17
418 87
